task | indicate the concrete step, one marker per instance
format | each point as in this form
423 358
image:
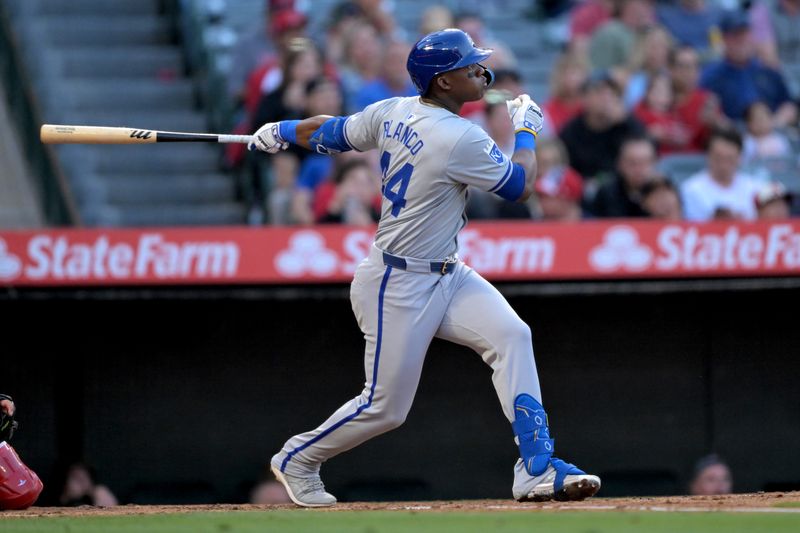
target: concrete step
161 159
165 215
129 94
164 62
148 190
93 7
104 30
165 120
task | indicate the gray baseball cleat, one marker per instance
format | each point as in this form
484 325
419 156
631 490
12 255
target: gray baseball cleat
304 491
561 481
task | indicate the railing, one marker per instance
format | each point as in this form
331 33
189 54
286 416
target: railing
55 196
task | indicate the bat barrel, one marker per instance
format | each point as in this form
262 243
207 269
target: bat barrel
59 134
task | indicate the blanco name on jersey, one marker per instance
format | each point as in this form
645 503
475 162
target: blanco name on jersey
428 157
403 134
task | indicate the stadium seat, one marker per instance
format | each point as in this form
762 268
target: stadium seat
679 167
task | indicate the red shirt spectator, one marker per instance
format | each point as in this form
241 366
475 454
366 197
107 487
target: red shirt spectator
559 112
694 107
566 82
588 16
662 124
690 111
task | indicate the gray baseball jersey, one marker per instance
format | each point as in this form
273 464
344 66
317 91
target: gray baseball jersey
402 301
428 157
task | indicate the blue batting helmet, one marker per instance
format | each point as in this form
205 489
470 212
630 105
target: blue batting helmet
443 51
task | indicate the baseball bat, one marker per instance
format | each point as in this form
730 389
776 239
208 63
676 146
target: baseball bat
58 134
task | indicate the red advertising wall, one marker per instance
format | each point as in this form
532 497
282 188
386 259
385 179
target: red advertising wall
500 251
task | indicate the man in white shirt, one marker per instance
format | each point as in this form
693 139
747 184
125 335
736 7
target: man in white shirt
721 191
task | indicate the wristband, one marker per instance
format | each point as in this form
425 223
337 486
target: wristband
287 129
524 140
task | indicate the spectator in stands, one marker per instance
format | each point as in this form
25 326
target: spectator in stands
303 63
593 137
353 197
394 79
375 12
346 15
435 18
287 101
696 108
661 200
287 28
693 23
721 191
584 19
662 123
558 187
472 23
711 477
762 140
324 98
775 26
566 81
612 45
363 53
508 80
257 46
621 196
739 78
498 123
773 201
80 487
651 59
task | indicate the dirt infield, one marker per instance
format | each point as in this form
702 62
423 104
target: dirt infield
759 502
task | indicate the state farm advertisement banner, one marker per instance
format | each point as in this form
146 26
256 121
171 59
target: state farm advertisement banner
324 254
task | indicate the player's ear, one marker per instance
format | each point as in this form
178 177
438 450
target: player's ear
443 82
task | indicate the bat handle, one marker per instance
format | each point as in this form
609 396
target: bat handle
244 139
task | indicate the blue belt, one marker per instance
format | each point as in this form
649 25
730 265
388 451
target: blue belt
442 267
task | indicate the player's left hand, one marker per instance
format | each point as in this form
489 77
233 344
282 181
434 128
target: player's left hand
268 139
525 114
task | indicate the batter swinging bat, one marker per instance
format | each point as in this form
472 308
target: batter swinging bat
56 134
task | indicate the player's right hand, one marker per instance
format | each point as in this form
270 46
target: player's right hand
268 139
525 114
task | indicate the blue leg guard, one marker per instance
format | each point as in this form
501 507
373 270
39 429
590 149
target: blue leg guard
530 426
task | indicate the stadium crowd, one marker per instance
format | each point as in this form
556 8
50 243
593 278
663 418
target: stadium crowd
677 110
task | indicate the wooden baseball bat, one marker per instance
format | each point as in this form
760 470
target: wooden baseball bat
58 134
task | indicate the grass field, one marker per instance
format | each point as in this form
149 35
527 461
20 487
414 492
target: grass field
392 521
774 513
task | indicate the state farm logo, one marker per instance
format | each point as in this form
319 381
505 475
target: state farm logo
10 265
150 256
489 255
307 253
621 249
698 248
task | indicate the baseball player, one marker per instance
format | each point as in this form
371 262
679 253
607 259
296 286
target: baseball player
412 286
19 485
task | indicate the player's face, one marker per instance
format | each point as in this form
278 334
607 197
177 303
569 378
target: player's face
469 83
